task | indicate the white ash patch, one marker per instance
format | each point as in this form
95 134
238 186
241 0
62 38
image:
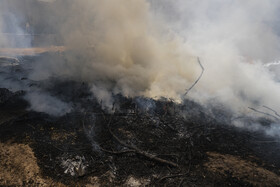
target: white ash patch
76 166
133 182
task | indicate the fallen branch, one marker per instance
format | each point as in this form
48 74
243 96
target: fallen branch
264 113
272 110
140 152
202 68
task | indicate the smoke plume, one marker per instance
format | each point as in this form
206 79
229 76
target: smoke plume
122 49
150 48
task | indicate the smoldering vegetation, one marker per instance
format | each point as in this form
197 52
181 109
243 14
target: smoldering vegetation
150 48
138 56
58 96
155 142
112 104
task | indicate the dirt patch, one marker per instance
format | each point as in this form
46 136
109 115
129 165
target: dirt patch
19 167
30 51
243 170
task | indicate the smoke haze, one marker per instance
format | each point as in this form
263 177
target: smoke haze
150 48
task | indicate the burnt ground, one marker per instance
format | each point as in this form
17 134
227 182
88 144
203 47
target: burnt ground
140 142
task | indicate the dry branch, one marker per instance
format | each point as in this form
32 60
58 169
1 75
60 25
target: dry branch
202 71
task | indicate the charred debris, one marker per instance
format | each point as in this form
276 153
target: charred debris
137 141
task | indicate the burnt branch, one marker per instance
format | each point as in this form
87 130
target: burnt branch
171 176
181 182
261 112
202 71
272 110
140 152
117 152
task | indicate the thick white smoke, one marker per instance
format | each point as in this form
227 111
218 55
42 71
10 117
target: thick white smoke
150 47
233 39
121 48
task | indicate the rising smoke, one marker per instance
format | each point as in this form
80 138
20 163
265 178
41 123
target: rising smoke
121 48
149 48
12 24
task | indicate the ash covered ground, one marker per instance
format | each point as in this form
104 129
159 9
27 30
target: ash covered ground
137 142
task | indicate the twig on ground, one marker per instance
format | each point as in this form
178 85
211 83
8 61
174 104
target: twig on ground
267 141
170 127
31 126
272 110
143 153
247 118
84 119
117 152
171 176
181 182
139 151
264 113
202 71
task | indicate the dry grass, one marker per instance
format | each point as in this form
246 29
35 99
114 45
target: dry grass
30 51
18 167
241 169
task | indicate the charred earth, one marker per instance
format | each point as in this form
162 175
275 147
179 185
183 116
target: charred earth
136 142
